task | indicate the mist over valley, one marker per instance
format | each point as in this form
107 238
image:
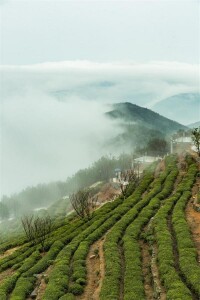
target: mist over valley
99 150
53 114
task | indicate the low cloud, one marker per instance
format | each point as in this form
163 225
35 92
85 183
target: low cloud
52 114
143 84
47 140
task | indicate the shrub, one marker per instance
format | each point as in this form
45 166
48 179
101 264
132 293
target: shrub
76 289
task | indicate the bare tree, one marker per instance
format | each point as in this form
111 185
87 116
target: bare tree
83 202
27 223
126 179
37 229
42 227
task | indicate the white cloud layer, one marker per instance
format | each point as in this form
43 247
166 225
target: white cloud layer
52 121
143 84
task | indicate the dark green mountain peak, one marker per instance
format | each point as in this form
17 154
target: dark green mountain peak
132 113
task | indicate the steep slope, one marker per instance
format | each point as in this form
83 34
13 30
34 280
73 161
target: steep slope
103 257
135 115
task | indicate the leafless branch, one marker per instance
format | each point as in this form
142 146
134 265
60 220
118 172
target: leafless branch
37 229
83 202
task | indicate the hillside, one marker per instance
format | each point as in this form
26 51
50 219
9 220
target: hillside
133 114
194 125
141 128
138 128
43 195
134 248
181 107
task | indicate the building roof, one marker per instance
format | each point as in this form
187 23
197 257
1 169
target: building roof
184 139
146 159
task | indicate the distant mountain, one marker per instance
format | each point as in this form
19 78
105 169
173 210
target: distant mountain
87 91
194 125
184 108
140 126
135 115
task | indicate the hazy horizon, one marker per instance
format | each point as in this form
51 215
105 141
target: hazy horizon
63 62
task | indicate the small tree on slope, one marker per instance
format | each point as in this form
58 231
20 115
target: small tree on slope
196 139
37 229
83 202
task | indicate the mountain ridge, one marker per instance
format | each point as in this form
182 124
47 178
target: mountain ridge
187 107
129 112
193 125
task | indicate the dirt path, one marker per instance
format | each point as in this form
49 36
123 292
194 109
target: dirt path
41 285
5 274
152 283
159 290
96 269
9 252
176 256
174 244
146 258
122 262
160 168
193 218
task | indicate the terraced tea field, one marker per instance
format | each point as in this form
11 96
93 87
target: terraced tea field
141 247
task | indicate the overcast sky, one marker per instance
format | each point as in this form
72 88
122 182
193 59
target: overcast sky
34 31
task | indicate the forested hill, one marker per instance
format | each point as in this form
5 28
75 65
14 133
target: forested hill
133 113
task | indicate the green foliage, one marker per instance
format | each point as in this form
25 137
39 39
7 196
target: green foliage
133 113
7 285
173 283
68 245
46 194
23 288
196 138
76 289
187 252
68 296
198 197
43 263
112 278
16 258
176 289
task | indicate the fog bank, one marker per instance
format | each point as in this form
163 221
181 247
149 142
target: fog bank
52 114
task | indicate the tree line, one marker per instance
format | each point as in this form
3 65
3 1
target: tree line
19 204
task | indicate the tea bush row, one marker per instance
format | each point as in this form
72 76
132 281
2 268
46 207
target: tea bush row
8 284
175 287
22 290
57 285
112 278
133 279
186 249
79 268
174 284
